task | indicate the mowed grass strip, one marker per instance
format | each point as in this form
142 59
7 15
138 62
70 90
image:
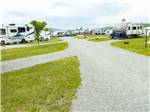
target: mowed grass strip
135 45
48 87
80 36
8 54
93 38
99 38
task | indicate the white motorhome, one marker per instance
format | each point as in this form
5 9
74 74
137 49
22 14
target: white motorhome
15 34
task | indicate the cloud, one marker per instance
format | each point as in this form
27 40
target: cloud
74 13
113 8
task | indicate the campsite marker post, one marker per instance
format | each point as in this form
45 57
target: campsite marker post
146 30
146 38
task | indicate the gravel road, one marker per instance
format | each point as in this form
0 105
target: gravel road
17 64
113 79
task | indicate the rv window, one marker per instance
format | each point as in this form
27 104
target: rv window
2 32
138 27
128 28
13 30
134 28
21 29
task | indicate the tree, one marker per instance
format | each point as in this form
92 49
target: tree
38 27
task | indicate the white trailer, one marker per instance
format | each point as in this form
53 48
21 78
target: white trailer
127 29
108 31
134 29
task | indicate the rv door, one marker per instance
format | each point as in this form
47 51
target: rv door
2 32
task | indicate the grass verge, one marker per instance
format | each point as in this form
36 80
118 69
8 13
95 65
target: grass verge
80 37
135 45
8 54
99 38
47 87
93 38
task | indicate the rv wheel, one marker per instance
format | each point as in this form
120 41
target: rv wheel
2 42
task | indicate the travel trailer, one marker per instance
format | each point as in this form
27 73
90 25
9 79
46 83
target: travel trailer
16 34
56 33
126 29
45 35
103 31
96 31
108 32
77 31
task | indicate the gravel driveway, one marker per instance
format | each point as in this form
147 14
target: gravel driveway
113 79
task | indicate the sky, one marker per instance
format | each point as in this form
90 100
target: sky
72 14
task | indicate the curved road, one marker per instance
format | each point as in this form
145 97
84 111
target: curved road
113 79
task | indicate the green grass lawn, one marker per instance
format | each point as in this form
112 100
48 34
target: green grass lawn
8 54
93 38
99 38
48 87
80 36
135 45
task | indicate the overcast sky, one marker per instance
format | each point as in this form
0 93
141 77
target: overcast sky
70 14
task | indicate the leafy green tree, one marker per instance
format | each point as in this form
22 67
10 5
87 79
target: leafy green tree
38 27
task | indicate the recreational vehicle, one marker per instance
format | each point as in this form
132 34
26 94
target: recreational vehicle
77 31
108 31
45 35
15 34
56 33
126 29
96 31
103 31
